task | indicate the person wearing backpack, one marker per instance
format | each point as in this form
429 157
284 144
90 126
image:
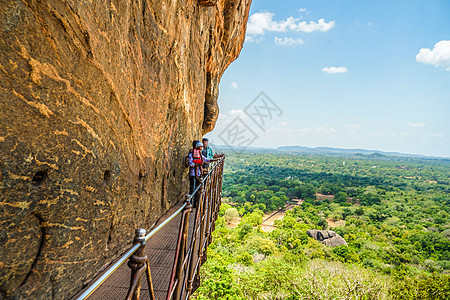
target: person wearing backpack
196 154
195 161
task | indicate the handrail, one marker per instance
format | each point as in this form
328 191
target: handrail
157 228
205 216
86 293
108 273
127 255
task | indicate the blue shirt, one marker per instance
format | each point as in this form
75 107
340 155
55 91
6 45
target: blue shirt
192 165
208 152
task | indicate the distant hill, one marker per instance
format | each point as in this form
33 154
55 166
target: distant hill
325 150
374 154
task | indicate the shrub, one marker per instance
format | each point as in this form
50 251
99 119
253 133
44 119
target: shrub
427 287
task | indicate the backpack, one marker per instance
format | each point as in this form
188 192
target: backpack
197 156
186 160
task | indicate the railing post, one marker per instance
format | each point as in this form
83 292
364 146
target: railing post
139 264
181 250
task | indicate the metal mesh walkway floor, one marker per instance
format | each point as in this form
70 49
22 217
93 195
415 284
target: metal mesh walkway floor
160 250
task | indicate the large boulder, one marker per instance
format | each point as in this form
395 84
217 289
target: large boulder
99 102
327 237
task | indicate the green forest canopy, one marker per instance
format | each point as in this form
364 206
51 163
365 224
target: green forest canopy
397 227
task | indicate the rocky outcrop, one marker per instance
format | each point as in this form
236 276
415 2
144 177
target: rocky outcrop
327 237
99 102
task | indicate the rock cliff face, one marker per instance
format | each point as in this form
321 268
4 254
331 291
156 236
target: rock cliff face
99 102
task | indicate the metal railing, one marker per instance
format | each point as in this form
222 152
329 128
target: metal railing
186 278
185 271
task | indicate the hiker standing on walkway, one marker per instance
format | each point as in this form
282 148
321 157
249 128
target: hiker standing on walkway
207 152
195 168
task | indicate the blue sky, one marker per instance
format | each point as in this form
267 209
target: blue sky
349 74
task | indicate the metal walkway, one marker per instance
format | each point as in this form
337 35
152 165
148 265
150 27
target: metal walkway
160 250
174 252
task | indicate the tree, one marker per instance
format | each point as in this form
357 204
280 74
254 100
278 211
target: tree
245 258
426 287
254 218
322 223
244 229
274 188
262 207
346 212
370 199
231 215
308 191
223 208
359 211
340 197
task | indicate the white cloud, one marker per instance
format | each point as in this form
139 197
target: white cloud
436 134
283 123
318 131
417 124
304 132
439 56
334 70
387 134
302 10
234 85
326 130
253 39
261 22
237 113
287 41
354 134
281 129
311 26
232 114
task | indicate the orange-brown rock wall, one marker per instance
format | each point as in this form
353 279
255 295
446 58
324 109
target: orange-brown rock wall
99 103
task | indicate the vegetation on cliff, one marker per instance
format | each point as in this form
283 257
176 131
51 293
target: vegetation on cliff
393 212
